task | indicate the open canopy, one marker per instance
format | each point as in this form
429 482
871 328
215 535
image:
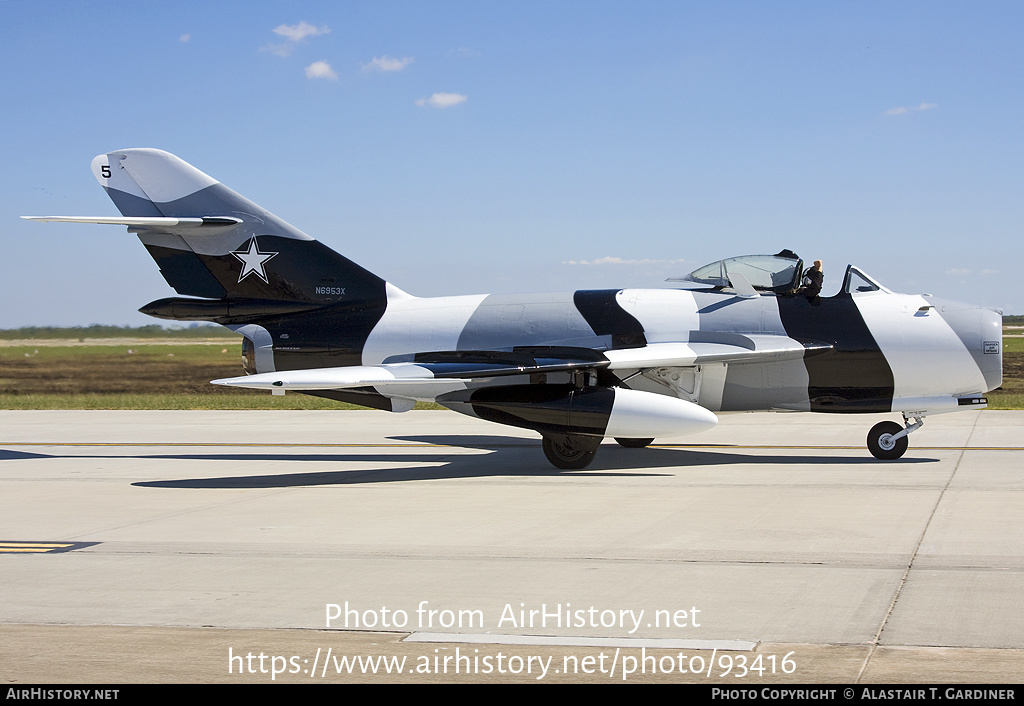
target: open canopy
771 274
765 273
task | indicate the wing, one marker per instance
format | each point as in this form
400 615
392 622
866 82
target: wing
444 368
436 373
712 347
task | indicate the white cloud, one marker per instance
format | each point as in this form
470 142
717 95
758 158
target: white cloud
321 69
620 261
901 110
443 100
185 38
296 33
387 63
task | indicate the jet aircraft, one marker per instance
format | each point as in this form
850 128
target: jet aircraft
577 367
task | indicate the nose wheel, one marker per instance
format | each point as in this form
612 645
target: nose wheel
888 440
882 441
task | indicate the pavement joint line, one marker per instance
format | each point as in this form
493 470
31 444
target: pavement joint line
910 564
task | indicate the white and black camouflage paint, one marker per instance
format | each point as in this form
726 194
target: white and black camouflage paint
556 363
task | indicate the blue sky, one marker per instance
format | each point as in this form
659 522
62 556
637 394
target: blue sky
467 147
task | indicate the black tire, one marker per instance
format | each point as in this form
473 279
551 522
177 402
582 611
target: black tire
571 452
633 443
880 442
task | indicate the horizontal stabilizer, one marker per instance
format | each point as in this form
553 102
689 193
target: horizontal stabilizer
222 311
152 222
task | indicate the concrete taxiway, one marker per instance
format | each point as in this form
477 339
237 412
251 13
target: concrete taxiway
195 539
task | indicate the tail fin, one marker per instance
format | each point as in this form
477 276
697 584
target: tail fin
210 242
298 303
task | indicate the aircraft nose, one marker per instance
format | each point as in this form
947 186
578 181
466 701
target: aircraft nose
981 331
992 347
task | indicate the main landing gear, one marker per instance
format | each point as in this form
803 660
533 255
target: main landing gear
888 440
571 452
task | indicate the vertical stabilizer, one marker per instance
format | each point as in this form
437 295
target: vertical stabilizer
240 251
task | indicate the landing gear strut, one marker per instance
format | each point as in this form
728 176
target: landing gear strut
571 452
888 440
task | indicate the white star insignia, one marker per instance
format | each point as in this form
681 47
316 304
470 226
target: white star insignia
253 261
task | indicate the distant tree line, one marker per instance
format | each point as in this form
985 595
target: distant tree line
101 331
194 331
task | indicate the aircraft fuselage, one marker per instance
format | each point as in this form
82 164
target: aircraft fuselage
577 367
881 345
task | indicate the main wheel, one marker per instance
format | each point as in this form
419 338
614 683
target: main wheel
571 451
633 443
882 445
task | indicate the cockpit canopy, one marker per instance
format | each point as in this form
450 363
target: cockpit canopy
772 274
766 273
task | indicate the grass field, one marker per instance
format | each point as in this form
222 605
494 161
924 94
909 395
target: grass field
1011 394
61 374
81 333
164 375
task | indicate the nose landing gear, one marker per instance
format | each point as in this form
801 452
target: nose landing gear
888 441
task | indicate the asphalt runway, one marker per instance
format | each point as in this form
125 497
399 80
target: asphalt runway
774 548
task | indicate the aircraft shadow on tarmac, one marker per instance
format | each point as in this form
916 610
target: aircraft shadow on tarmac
9 455
506 458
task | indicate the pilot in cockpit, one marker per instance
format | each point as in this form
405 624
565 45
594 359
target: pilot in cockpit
814 277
